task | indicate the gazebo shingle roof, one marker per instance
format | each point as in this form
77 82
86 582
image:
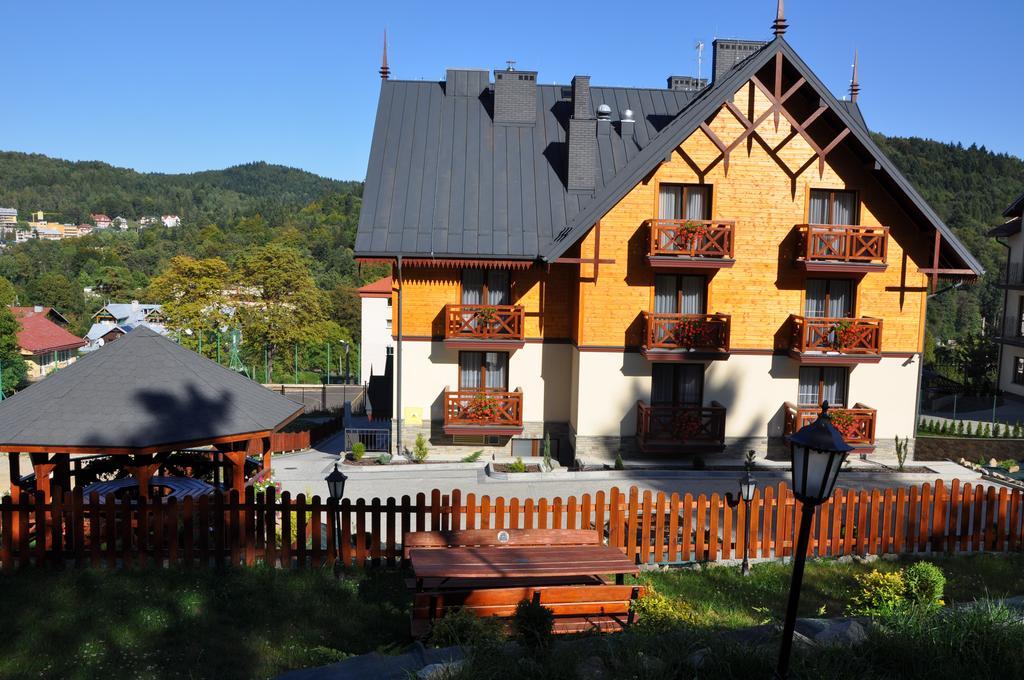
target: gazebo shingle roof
142 393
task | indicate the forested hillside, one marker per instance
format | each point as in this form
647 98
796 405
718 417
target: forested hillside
969 187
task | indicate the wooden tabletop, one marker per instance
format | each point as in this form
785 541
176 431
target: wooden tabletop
487 562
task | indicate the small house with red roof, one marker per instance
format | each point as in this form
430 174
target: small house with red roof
375 328
100 220
44 342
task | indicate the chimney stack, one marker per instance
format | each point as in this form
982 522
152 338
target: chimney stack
626 124
604 119
686 83
582 165
725 54
515 97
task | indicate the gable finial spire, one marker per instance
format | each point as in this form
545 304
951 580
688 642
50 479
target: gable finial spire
385 71
780 25
854 82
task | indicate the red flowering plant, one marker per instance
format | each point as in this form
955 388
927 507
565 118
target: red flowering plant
845 423
844 335
692 333
690 234
686 425
482 407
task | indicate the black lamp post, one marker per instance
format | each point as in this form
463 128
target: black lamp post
748 485
818 451
336 490
347 374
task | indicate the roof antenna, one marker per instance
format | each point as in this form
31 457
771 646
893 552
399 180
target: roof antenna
511 64
779 26
385 71
854 84
700 56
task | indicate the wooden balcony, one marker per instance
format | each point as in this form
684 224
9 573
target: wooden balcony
690 244
857 424
668 428
842 248
685 337
483 412
839 341
484 327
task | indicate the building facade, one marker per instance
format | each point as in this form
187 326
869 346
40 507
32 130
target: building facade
43 341
1011 339
648 272
375 329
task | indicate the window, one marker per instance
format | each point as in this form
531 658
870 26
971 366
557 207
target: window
486 287
684 202
44 360
1018 370
63 356
832 298
679 294
483 371
829 206
822 383
678 384
533 448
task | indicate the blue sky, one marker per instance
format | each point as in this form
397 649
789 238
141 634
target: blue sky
189 85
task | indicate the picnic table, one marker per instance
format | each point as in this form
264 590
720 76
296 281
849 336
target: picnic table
490 573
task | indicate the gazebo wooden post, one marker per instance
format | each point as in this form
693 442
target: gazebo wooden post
259 447
14 460
62 472
43 466
237 460
142 468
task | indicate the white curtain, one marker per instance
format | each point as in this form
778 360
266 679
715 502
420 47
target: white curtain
832 207
844 208
665 293
497 370
814 300
840 298
808 390
498 287
661 383
469 367
693 295
835 386
818 212
472 286
670 202
696 203
691 378
676 383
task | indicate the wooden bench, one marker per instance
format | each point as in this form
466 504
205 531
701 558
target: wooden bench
576 609
475 538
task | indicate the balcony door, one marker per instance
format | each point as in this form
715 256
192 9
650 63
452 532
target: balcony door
684 202
487 371
486 287
677 384
675 294
828 206
831 298
822 383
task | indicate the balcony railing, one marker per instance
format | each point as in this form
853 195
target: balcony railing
693 332
843 243
484 322
840 335
675 426
704 239
483 410
857 424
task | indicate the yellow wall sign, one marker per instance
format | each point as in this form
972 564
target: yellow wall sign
412 415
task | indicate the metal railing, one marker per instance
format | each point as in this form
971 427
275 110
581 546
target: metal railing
375 440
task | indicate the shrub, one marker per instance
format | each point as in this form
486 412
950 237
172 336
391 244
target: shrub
944 429
358 451
1017 429
901 451
925 584
959 428
997 430
533 623
987 432
420 450
881 594
618 462
465 629
517 466
656 613
1008 464
384 459
473 457
547 453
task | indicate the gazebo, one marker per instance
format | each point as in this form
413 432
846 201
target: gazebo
141 397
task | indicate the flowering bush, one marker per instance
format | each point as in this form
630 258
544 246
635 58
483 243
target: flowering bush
482 407
262 485
695 333
690 234
845 423
844 335
686 425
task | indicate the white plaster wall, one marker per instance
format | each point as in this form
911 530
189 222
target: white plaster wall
609 386
1006 370
375 336
542 371
753 389
890 387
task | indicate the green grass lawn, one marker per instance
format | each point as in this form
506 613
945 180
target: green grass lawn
255 623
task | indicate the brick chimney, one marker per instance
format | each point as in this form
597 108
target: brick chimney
727 53
582 165
515 97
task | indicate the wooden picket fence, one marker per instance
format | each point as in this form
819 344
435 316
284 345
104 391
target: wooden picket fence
226 529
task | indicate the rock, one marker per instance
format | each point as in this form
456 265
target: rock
865 559
890 557
992 462
699 658
845 559
802 642
439 671
1014 468
843 633
591 668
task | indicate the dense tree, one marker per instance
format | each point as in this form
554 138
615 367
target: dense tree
8 293
53 289
194 296
12 365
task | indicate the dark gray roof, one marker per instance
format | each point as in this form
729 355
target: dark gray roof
139 392
1016 207
444 180
1008 228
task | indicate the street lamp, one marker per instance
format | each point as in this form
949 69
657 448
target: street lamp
818 451
748 485
336 490
347 374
